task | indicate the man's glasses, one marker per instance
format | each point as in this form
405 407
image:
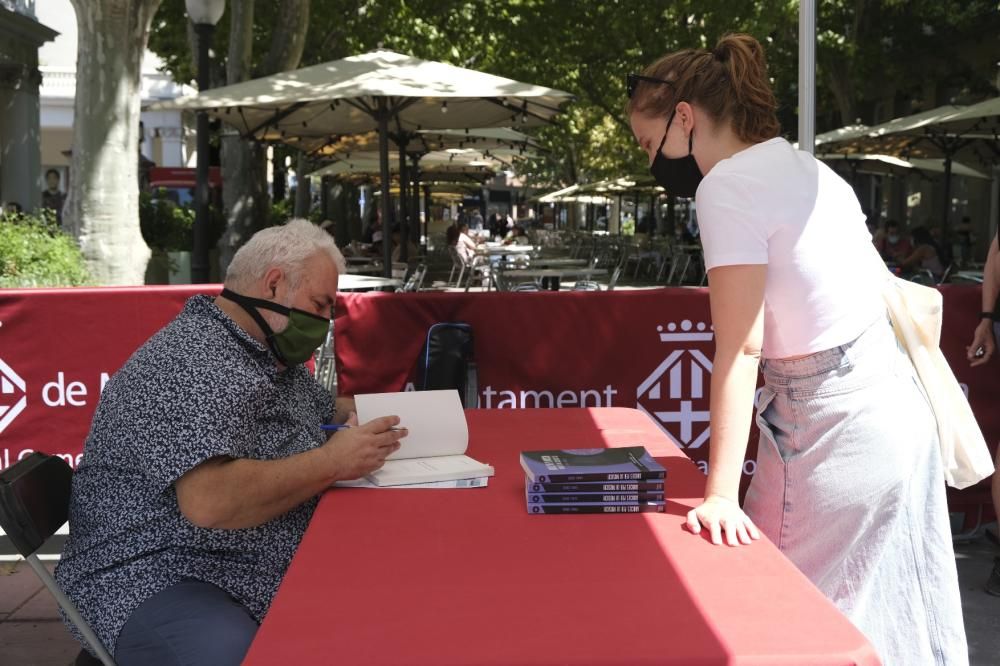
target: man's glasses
633 81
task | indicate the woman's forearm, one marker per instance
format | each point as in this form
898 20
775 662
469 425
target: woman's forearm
734 381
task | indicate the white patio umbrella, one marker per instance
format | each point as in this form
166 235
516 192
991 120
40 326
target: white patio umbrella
933 134
980 118
556 196
368 92
896 166
468 162
838 137
423 141
478 164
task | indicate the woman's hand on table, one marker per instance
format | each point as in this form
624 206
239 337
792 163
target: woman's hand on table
718 514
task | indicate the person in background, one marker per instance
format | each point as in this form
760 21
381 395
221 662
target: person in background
12 210
849 482
476 222
465 244
926 255
494 224
397 247
963 241
644 224
682 236
451 235
980 352
374 228
52 197
891 244
517 236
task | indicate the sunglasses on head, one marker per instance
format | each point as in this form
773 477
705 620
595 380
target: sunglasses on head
633 80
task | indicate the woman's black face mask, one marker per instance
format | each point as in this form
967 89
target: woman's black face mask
679 176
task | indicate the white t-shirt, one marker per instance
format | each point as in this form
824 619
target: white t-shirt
772 204
466 247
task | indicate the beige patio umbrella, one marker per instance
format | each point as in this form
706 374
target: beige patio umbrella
829 141
555 196
432 164
378 91
946 133
423 141
897 166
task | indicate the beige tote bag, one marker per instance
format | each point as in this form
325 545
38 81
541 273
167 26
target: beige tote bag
916 312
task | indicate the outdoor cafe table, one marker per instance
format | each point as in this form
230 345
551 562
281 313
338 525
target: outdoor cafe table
467 576
352 282
559 262
554 275
502 250
364 269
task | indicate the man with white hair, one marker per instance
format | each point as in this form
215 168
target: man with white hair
206 457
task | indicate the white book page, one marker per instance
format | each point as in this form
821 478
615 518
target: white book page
420 470
435 420
476 482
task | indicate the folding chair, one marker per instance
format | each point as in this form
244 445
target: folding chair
34 503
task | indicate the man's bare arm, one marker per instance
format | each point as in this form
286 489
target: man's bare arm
237 493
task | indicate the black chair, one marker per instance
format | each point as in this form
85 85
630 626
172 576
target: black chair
34 503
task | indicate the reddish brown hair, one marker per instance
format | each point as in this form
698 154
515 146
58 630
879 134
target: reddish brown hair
729 83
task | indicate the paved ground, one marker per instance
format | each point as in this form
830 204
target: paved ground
31 633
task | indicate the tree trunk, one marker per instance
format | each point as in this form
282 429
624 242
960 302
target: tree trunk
839 78
244 182
102 208
288 39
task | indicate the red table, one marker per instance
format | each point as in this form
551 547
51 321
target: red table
469 577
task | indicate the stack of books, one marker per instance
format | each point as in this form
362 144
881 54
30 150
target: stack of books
621 480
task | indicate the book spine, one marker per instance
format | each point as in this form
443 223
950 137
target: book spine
599 477
613 487
594 498
595 508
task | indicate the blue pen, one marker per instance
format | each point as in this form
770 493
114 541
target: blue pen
334 427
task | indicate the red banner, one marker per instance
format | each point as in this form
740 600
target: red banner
647 349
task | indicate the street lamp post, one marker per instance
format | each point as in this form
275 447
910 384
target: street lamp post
204 15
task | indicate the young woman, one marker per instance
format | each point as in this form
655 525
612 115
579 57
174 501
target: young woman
849 482
926 254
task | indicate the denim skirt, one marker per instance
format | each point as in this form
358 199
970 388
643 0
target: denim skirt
850 487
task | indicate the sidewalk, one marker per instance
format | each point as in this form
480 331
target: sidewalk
31 632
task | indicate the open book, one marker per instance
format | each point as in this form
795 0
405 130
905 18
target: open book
434 449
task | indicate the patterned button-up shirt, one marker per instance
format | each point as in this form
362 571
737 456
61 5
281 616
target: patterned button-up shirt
199 388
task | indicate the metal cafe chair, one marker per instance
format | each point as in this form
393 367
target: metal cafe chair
456 265
416 279
34 503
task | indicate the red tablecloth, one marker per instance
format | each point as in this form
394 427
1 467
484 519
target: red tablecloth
468 577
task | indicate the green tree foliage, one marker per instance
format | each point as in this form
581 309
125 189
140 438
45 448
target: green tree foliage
34 252
876 58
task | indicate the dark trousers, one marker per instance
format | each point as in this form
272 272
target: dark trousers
188 624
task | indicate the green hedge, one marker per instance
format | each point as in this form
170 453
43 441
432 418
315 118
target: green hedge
34 252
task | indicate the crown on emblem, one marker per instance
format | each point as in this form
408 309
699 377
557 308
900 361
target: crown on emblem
686 331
